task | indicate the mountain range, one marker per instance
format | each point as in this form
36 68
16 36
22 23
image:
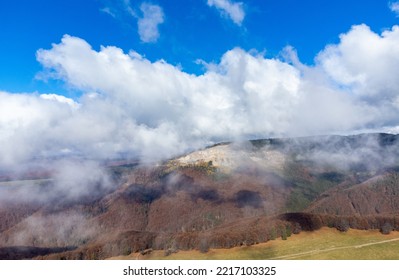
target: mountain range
226 195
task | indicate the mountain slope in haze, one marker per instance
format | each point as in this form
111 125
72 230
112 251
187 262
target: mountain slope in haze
377 196
222 196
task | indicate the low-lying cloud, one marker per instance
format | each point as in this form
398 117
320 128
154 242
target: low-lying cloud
131 106
71 181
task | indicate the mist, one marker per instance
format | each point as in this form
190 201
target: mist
65 181
54 211
364 152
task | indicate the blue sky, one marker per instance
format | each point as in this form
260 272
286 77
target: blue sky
191 30
155 79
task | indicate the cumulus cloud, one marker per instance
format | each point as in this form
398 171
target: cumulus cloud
234 10
364 61
148 24
26 122
131 106
394 6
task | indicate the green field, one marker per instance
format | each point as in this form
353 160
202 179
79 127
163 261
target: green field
324 244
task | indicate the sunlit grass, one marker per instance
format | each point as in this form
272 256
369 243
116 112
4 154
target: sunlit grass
325 244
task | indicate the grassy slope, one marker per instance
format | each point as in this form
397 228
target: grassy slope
322 244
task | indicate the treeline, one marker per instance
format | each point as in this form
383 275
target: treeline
245 233
241 233
311 222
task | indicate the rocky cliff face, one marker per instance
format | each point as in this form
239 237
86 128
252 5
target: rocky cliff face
230 157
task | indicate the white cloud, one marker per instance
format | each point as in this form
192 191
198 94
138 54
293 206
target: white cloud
26 122
394 6
61 99
154 110
153 16
365 62
231 9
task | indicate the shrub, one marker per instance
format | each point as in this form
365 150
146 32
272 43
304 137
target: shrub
342 225
386 228
273 234
204 246
297 228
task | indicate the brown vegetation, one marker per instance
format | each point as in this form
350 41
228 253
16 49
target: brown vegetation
175 207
